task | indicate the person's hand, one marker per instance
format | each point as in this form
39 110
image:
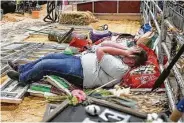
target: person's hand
130 52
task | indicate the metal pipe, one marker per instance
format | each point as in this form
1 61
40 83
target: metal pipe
117 6
93 7
173 29
158 8
166 71
155 21
169 91
166 50
179 79
157 51
176 12
156 42
164 31
145 18
178 75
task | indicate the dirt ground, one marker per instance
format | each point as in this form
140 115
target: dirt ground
31 110
124 26
13 28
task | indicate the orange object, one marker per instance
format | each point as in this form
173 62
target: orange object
175 115
35 14
80 43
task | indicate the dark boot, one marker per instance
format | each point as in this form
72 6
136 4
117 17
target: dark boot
13 66
13 75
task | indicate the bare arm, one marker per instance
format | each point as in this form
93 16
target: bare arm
101 51
113 44
112 51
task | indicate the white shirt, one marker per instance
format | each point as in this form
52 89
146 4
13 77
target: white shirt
99 73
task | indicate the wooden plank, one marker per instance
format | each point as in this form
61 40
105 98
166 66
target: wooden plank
92 100
10 100
11 86
22 92
146 90
56 111
8 94
118 107
7 82
49 109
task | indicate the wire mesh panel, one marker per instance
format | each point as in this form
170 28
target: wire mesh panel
174 11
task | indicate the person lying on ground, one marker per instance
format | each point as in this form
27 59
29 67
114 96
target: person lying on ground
109 62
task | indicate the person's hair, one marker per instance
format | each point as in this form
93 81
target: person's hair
140 58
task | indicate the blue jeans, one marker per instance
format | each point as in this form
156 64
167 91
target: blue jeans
66 66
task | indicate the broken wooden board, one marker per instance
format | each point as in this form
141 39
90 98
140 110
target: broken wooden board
55 113
49 109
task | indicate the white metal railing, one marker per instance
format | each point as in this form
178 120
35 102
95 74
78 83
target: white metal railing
171 16
175 13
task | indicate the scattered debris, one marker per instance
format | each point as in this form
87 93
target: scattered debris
92 109
10 90
149 102
120 91
60 83
56 98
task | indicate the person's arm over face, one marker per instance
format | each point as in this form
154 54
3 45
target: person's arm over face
112 66
113 44
101 51
112 51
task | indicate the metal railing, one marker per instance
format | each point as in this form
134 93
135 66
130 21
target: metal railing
170 17
175 13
